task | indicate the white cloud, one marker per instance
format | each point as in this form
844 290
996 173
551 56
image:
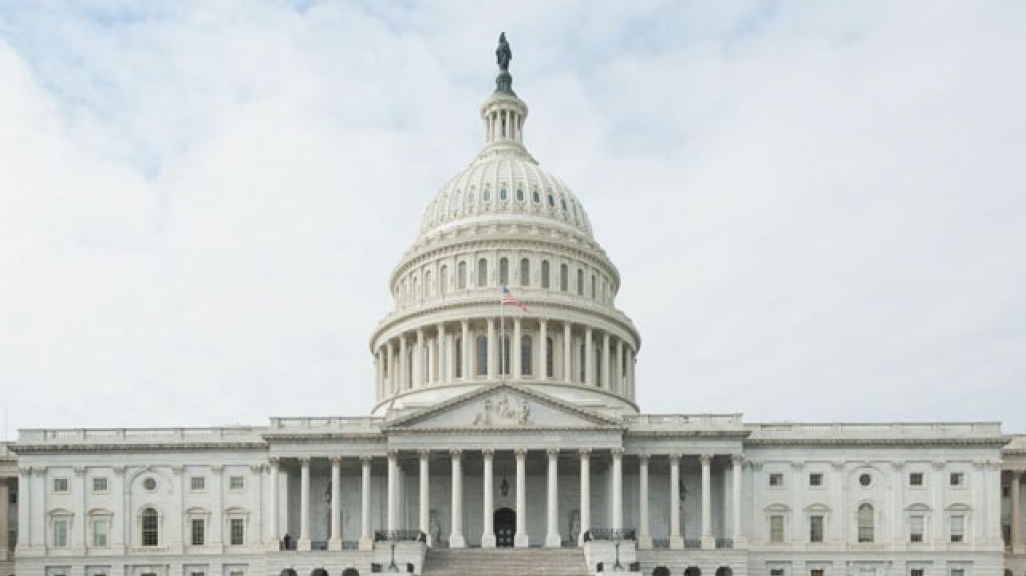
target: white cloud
814 207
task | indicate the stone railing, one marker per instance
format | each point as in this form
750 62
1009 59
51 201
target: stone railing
139 435
670 422
725 543
891 430
326 424
611 534
399 536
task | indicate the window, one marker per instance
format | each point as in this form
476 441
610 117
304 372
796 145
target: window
461 275
866 523
958 528
526 361
197 483
60 532
552 201
236 483
865 480
550 363
457 345
199 532
503 272
535 196
520 194
917 572
957 479
564 277
486 196
99 531
525 272
583 370
238 533
776 572
817 572
427 283
503 193
915 528
60 485
776 479
592 286
443 279
815 528
815 479
482 272
957 572
150 484
149 523
100 485
580 282
915 479
482 356
196 574
545 274
776 529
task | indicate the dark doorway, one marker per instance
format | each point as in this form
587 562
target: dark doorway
505 527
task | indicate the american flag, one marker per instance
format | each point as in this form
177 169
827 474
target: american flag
507 298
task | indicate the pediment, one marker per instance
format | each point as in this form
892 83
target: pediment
504 407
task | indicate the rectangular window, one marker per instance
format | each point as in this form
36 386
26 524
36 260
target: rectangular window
776 479
776 529
99 532
100 485
958 528
237 532
815 479
198 532
776 572
236 483
915 528
915 479
60 533
815 528
196 574
958 572
197 483
817 572
917 572
60 485
957 479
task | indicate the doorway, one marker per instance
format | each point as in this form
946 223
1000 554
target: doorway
505 521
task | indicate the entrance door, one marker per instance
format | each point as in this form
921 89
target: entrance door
505 521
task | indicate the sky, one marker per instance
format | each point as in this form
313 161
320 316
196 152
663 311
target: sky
817 208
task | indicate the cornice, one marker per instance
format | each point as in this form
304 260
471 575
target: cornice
448 430
305 437
722 434
855 442
141 447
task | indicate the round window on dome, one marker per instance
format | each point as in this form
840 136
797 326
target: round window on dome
865 479
150 484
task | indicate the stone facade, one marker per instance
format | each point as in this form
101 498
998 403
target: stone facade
513 425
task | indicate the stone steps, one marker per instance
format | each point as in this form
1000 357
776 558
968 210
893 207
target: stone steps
505 562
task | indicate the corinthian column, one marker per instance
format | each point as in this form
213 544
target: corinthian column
425 494
736 461
335 542
456 539
488 535
707 538
676 542
366 542
585 494
552 537
520 539
617 489
304 503
644 534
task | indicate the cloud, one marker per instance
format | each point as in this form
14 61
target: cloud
814 208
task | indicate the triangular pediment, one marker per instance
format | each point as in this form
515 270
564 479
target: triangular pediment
504 407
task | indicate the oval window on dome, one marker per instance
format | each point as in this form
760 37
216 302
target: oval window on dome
520 194
535 196
486 196
503 194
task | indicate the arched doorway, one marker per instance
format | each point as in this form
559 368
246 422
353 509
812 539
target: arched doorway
505 521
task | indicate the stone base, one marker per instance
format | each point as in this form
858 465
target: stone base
303 545
553 541
366 544
457 541
273 546
488 541
644 542
521 541
708 543
676 543
335 545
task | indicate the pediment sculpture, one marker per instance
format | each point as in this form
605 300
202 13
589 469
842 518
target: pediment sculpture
503 412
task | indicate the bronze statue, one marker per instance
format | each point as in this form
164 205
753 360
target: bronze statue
503 54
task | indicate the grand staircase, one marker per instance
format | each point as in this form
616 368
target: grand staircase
505 562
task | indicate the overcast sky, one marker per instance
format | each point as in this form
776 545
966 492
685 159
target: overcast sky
818 209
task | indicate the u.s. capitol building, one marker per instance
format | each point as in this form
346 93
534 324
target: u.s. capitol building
507 440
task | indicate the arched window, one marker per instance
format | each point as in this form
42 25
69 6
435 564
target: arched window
416 289
427 283
545 274
503 193
487 194
503 272
550 363
520 194
525 272
593 287
443 279
661 571
482 273
581 363
580 282
866 523
724 571
504 359
150 523
526 360
482 356
564 277
461 275
598 366
457 351
692 571
350 572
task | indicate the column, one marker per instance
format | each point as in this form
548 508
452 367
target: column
542 371
617 489
552 537
456 536
393 378
644 533
335 538
488 534
393 477
1016 531
585 494
676 542
366 540
425 494
708 541
605 361
514 348
736 461
404 365
568 363
304 503
274 540
589 360
5 500
442 362
465 345
418 360
493 351
520 539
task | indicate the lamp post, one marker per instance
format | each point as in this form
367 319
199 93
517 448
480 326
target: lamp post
392 536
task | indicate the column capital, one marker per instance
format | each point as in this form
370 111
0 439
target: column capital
366 458
455 453
220 467
258 468
585 452
393 454
424 453
644 457
336 460
118 470
304 460
897 464
177 469
274 461
520 452
706 459
737 459
80 470
617 452
674 459
552 451
488 452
